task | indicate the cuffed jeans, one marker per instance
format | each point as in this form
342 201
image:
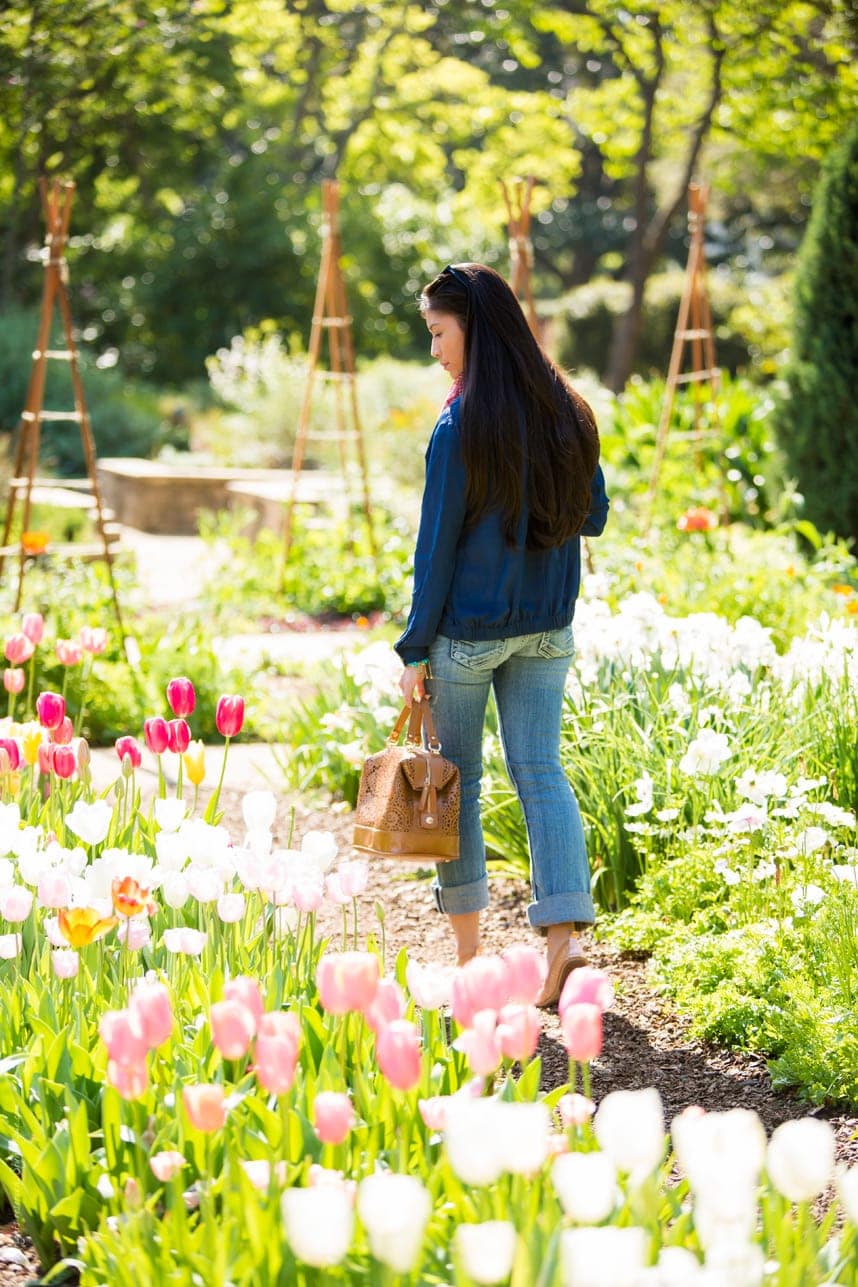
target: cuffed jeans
528 675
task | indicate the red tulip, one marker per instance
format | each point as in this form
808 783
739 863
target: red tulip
19 649
157 734
63 761
12 750
14 680
229 716
181 696
129 748
178 736
50 709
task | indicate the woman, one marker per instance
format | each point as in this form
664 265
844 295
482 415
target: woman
512 482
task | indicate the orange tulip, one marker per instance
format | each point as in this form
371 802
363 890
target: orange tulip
130 898
81 926
35 542
697 519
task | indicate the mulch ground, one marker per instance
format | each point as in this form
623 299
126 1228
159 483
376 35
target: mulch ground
645 1044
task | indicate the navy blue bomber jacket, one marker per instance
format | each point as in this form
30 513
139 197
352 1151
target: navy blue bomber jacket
468 583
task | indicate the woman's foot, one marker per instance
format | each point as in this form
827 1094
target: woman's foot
564 955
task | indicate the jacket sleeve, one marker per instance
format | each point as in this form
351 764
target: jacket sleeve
595 522
442 517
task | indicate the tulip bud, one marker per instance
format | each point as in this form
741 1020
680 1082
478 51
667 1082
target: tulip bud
128 748
33 626
195 762
83 753
157 734
229 716
181 696
14 679
50 709
178 736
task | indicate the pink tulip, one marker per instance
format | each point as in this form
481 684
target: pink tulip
82 753
93 639
65 962
166 1164
135 933
204 1105
19 649
575 1110
15 903
349 881
518 1031
46 758
282 1024
128 748
581 1025
387 1004
184 941
50 709
233 1026
150 1005
178 736
526 968
482 984
69 652
307 889
63 761
130 1080
14 680
230 908
12 751
54 888
33 626
397 1050
480 1044
248 993
276 1058
347 981
157 734
587 985
122 1033
229 716
181 696
64 732
333 1117
434 1111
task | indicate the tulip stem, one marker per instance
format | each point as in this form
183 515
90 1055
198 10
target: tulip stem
29 686
162 781
213 802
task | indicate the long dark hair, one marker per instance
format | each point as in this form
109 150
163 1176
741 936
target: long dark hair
527 436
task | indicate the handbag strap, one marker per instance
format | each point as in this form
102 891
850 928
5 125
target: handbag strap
418 716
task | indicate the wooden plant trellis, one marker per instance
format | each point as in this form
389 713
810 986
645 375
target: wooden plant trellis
517 200
694 328
331 317
57 199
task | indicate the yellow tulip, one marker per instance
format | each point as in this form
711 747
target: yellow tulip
194 760
81 926
31 741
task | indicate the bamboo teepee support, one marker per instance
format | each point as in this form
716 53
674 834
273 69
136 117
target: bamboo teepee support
331 317
694 327
517 200
57 199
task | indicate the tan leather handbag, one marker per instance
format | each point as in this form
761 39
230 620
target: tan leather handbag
408 799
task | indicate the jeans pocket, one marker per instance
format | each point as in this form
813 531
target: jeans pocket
557 643
477 654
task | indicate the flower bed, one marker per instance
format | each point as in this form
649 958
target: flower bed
196 1087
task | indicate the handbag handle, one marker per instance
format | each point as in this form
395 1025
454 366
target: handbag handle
418 715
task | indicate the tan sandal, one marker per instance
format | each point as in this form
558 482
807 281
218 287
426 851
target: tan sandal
558 972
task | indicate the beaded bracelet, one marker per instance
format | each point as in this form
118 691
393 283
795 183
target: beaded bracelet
418 663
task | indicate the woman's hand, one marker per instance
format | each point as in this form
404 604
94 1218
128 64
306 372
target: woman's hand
411 684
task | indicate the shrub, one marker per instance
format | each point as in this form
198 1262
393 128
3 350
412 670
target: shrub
818 421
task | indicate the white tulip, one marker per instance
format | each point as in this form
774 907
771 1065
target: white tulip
726 1216
677 1267
204 884
737 1264
170 814
205 845
596 1257
319 1224
800 1158
719 1152
523 1137
471 1135
258 808
847 1189
10 946
89 821
321 846
586 1185
629 1125
171 850
7 873
394 1210
175 889
487 1250
430 985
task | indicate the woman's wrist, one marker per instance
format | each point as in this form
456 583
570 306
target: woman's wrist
414 664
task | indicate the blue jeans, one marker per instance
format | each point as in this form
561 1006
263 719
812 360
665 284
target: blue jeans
528 675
